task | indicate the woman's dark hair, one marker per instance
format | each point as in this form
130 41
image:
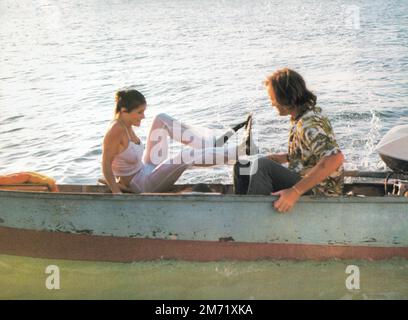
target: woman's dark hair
128 99
290 90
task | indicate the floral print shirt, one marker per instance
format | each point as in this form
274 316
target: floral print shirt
311 138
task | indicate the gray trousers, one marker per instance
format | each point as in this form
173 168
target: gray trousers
263 176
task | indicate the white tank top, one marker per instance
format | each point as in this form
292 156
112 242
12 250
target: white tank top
129 161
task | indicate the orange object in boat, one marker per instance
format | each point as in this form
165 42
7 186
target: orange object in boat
29 178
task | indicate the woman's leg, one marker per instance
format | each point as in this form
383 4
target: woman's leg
164 175
164 126
203 152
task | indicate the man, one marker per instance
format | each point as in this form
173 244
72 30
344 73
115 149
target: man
315 162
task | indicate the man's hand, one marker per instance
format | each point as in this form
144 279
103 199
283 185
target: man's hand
287 199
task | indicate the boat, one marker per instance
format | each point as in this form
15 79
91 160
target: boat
87 222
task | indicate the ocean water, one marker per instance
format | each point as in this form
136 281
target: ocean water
202 62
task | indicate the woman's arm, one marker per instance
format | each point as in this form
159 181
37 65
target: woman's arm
278 157
323 169
111 144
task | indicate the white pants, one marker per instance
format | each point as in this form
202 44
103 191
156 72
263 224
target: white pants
160 172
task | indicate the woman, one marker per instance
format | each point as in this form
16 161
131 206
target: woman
314 157
127 164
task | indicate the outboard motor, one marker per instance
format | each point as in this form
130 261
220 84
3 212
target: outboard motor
393 149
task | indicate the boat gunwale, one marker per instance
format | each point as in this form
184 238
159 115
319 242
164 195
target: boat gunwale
202 197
